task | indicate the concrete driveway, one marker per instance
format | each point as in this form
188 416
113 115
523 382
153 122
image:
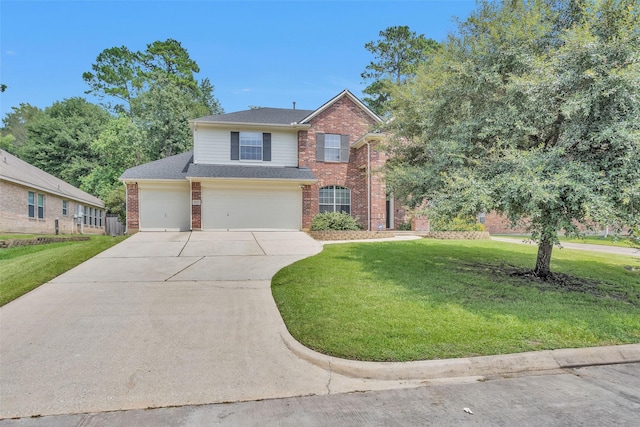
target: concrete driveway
162 319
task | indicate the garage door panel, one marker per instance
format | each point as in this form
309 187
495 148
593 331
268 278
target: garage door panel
165 209
252 208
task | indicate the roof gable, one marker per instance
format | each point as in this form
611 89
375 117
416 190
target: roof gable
20 172
333 100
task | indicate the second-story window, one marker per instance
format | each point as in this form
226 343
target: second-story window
331 147
250 146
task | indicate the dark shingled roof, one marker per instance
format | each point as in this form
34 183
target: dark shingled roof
250 172
181 166
174 167
20 172
273 116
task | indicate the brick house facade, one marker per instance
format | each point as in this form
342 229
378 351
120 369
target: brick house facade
267 168
31 201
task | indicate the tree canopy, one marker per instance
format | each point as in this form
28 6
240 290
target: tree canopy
124 75
397 55
149 98
532 110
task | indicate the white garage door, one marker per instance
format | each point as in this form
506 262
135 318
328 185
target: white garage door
165 208
251 207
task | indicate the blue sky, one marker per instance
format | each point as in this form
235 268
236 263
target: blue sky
266 53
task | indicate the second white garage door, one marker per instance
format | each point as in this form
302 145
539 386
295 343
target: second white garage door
251 207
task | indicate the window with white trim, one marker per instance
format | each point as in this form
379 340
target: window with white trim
40 206
64 208
334 198
32 204
250 146
331 147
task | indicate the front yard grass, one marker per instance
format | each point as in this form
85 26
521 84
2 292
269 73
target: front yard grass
431 299
24 268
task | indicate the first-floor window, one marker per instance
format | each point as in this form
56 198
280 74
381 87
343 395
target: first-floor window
100 217
32 204
40 206
64 208
84 216
335 199
90 216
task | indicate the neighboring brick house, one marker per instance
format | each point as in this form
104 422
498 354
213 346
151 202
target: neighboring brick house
31 201
266 168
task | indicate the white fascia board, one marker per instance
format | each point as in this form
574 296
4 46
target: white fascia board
351 96
369 137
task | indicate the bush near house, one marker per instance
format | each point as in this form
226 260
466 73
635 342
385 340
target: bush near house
459 223
327 221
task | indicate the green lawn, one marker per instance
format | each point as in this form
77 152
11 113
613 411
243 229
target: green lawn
621 241
26 267
432 299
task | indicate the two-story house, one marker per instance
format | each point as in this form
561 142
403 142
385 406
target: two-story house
266 169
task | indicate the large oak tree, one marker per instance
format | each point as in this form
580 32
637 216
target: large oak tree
531 110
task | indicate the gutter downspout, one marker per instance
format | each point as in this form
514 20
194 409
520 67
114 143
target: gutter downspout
126 208
191 205
368 186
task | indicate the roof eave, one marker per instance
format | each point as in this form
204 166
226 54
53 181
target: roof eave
52 192
281 180
194 124
369 138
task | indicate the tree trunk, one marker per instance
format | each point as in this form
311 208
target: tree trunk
543 261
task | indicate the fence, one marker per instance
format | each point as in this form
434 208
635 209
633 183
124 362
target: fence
113 226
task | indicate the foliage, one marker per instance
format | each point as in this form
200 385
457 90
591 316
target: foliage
119 146
151 95
14 125
397 56
334 221
116 202
532 112
163 114
26 267
6 142
458 223
431 299
404 226
59 140
125 75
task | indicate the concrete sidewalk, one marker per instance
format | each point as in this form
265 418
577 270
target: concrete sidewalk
616 250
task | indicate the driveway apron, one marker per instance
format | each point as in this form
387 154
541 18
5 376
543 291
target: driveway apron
161 319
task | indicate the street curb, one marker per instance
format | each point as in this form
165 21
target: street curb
484 366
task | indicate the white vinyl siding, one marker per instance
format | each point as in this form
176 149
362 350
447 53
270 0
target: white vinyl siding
258 206
165 207
212 146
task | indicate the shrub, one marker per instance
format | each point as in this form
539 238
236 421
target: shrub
459 223
404 226
334 221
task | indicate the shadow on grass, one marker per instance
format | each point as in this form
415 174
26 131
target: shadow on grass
471 273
